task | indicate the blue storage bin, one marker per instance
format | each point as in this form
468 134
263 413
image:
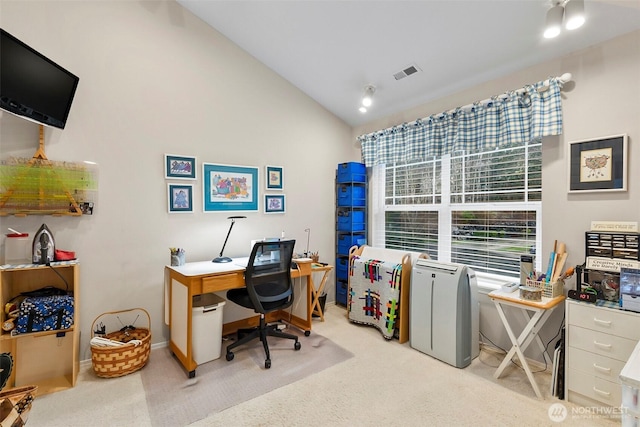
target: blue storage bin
351 172
351 220
342 261
342 271
351 195
342 288
347 240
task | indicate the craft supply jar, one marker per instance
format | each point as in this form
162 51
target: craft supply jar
17 249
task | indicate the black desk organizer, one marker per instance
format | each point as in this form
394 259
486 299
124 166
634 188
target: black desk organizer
612 245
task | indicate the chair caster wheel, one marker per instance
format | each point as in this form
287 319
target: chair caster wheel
297 345
267 364
229 356
307 333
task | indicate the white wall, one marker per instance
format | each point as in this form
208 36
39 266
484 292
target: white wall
154 79
602 100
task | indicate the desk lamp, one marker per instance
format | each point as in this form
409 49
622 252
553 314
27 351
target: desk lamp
224 258
308 231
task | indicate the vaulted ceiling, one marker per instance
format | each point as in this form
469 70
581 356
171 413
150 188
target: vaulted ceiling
332 49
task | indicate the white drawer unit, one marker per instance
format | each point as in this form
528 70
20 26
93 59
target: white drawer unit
599 340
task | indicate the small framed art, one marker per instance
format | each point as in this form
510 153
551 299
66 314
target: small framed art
274 203
598 164
180 198
179 167
229 188
274 177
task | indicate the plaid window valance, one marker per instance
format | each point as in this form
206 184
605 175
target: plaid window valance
514 117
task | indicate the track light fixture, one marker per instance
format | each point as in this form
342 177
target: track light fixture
367 99
571 10
554 21
574 14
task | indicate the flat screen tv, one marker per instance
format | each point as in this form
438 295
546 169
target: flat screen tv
32 85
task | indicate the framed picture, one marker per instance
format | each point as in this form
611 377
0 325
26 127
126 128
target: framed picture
180 198
179 167
274 203
229 188
274 177
598 164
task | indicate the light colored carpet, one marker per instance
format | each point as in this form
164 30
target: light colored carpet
385 383
175 400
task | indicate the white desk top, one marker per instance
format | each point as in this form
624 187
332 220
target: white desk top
208 267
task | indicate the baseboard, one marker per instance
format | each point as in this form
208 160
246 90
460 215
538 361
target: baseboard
153 347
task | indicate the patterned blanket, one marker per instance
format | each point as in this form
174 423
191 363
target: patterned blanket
374 294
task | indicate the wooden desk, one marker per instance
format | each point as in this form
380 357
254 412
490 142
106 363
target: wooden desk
541 312
195 278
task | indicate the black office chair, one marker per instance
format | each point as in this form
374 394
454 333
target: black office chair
268 288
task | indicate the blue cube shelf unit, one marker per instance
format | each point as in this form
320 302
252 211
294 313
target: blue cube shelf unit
351 220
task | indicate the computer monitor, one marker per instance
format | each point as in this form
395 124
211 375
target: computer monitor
269 252
630 281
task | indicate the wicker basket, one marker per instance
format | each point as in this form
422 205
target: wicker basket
549 290
111 362
15 405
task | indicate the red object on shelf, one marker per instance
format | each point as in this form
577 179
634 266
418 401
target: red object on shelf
18 235
64 255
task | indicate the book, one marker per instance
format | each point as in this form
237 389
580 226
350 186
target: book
554 372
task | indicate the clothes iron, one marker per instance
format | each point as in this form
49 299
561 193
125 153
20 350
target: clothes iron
44 246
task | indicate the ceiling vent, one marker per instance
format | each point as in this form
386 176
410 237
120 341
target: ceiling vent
412 69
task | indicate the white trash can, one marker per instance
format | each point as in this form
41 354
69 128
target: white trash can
207 327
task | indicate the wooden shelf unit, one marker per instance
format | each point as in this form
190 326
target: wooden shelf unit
48 359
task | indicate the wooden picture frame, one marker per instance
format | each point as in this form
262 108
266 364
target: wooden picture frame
274 203
180 198
598 164
179 167
274 177
229 188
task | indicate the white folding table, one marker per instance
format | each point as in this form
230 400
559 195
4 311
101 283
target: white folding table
536 314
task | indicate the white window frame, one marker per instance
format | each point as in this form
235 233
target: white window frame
378 210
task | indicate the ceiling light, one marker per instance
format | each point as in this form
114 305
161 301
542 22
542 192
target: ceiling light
574 14
362 110
554 21
367 99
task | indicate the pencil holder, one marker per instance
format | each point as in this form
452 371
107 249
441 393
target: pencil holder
177 257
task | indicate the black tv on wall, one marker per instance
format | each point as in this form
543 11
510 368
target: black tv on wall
33 86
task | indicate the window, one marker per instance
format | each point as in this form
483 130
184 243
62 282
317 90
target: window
481 209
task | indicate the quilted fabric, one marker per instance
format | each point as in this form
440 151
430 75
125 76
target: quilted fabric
45 314
374 294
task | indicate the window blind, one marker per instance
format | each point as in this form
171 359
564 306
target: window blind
480 209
